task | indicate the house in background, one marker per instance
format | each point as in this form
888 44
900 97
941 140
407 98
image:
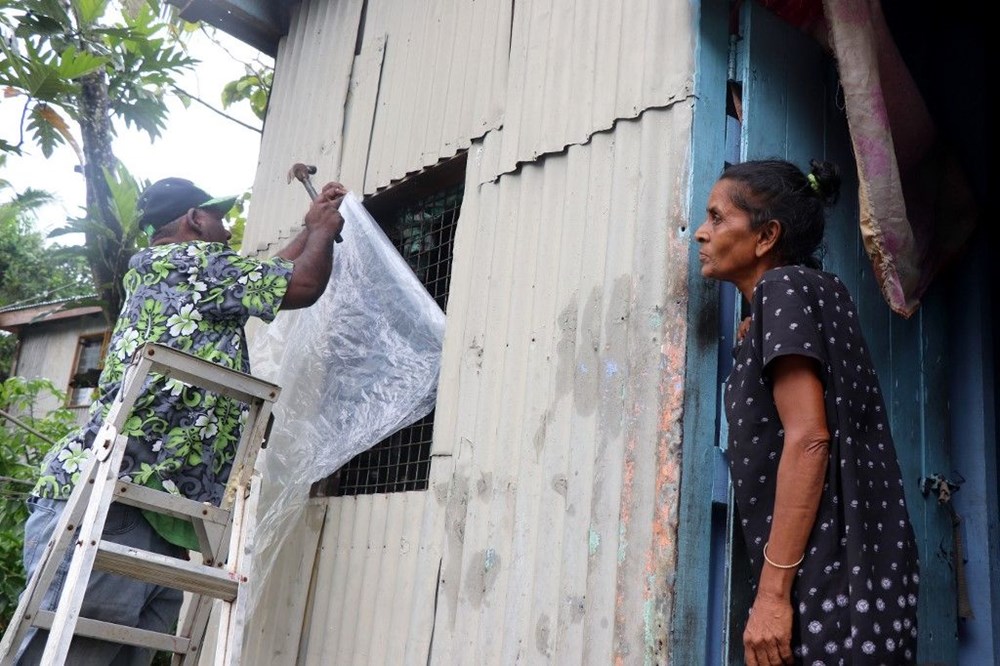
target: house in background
62 343
542 165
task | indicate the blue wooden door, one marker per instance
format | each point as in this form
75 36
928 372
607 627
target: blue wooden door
787 89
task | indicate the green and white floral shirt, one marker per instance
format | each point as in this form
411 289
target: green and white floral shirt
196 297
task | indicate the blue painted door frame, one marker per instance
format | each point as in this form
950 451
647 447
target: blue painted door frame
790 110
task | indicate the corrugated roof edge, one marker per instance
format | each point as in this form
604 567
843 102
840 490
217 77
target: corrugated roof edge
258 23
14 318
57 301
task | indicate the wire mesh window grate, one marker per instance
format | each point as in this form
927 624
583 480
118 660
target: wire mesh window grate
424 234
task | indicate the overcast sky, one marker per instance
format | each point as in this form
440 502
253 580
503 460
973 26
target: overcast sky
219 155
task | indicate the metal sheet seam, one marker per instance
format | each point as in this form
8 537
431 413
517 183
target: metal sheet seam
343 119
492 177
311 592
437 594
374 116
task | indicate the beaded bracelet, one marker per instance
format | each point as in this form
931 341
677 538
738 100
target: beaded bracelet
782 566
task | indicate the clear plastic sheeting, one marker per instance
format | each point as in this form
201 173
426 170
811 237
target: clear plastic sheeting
354 368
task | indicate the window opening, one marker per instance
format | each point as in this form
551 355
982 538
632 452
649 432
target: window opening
423 230
86 370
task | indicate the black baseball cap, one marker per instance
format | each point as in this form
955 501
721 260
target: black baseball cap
166 200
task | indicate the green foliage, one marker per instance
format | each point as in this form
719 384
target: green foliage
47 74
47 134
253 87
57 44
124 192
33 273
149 63
21 453
8 345
30 271
236 221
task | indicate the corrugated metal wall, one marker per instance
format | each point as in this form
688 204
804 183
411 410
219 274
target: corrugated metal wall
549 529
560 403
305 120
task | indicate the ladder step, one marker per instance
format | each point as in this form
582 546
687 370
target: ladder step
167 571
169 504
205 374
117 633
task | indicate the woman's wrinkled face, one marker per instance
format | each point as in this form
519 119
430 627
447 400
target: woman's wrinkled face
728 247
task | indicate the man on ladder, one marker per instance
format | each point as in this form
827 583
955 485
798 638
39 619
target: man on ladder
190 291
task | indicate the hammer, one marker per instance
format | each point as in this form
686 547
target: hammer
301 173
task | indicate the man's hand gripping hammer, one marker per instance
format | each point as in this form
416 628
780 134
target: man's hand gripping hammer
301 173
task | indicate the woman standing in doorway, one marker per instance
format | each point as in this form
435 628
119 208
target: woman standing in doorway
818 488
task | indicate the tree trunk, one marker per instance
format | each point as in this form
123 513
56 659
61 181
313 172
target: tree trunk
104 249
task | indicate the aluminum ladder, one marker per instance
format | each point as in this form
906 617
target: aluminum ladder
225 532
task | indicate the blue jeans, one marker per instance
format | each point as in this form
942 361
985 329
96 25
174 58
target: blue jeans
109 597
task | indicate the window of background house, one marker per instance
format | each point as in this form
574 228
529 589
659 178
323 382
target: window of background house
419 216
86 370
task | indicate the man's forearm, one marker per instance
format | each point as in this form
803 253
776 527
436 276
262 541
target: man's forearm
312 269
296 246
316 257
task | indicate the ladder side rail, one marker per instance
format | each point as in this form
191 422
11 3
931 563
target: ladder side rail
247 450
48 565
229 632
194 625
232 623
108 450
133 384
84 553
246 548
198 612
239 476
200 607
81 503
227 553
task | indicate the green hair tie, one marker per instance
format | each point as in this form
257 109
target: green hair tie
149 230
814 183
